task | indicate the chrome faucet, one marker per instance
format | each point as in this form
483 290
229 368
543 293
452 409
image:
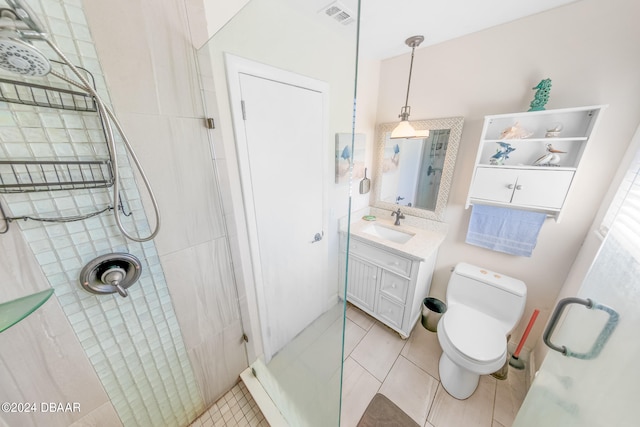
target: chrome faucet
399 215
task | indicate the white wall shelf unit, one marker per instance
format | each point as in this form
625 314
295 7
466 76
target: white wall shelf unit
520 184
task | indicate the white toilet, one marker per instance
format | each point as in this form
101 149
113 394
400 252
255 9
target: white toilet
483 308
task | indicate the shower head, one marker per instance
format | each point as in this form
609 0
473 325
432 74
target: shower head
19 56
18 26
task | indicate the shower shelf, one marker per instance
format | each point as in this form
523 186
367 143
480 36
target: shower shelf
14 311
43 175
45 96
22 176
18 176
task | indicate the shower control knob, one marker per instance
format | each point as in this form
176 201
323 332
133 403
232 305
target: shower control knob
110 273
113 276
122 291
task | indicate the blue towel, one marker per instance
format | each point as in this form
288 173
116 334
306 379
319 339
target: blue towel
505 230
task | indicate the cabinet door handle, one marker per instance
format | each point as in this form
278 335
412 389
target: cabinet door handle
510 186
518 187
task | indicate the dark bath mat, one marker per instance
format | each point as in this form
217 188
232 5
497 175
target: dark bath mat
382 412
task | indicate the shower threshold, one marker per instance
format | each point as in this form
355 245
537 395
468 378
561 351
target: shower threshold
262 399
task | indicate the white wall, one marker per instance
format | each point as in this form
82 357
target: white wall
589 50
366 112
218 13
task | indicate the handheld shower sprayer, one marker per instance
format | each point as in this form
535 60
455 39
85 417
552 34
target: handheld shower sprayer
18 27
19 56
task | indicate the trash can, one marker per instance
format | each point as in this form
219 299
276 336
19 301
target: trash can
432 311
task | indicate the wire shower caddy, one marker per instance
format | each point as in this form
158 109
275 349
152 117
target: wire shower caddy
23 176
31 175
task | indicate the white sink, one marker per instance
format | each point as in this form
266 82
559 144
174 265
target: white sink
386 233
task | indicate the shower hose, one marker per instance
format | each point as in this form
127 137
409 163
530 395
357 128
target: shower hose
108 118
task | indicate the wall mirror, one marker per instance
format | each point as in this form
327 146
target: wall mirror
416 174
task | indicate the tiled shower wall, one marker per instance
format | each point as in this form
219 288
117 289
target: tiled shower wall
135 344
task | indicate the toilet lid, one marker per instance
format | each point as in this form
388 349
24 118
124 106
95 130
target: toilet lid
474 334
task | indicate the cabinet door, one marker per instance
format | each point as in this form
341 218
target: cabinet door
494 184
542 188
361 283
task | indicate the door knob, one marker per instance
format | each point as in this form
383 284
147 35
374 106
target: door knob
318 237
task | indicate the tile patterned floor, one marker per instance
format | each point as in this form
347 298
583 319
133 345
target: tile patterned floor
406 371
235 409
377 360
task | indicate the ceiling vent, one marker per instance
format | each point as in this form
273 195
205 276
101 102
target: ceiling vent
338 12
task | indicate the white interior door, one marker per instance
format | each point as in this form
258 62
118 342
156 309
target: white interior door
281 140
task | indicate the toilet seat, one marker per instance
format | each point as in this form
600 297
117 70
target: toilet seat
476 337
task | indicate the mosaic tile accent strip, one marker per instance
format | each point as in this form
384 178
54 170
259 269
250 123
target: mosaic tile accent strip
235 408
134 343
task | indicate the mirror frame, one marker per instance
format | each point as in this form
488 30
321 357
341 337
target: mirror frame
453 123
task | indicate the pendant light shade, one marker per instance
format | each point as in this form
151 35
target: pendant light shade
404 128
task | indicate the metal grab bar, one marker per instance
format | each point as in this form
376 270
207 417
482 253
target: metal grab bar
598 345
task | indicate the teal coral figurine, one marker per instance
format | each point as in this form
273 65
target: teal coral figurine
541 96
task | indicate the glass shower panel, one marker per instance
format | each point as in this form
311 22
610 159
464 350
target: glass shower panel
598 391
597 381
278 81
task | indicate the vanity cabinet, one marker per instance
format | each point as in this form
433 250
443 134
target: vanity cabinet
517 182
386 284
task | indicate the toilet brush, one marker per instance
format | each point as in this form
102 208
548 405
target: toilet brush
514 361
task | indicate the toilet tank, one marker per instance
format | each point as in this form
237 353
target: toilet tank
494 294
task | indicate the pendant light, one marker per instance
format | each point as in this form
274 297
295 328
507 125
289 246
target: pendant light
404 128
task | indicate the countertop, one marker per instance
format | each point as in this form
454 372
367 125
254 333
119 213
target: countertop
421 246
